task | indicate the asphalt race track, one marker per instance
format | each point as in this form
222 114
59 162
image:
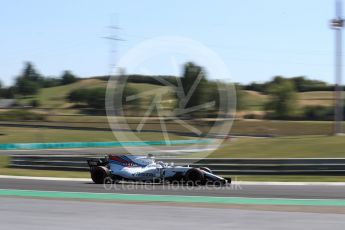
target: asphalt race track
28 212
253 191
32 214
21 209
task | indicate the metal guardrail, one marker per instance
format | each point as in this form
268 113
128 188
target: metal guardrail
221 166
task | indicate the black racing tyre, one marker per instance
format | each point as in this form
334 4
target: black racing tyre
206 169
100 175
194 177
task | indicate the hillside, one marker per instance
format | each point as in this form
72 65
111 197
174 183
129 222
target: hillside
54 98
255 100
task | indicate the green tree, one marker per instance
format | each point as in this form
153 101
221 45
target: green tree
283 100
1 90
30 81
240 98
25 86
78 96
68 78
96 98
30 73
194 83
7 92
51 82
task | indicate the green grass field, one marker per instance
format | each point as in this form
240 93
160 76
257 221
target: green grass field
283 147
96 128
322 98
286 146
282 128
42 135
27 135
255 101
54 98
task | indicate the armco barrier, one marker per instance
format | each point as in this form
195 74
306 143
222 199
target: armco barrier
222 166
65 145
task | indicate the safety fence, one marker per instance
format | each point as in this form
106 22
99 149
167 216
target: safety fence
221 166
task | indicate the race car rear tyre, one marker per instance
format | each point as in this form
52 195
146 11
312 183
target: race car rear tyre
100 175
206 169
194 177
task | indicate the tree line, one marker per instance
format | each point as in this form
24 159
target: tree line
300 84
282 103
205 92
30 81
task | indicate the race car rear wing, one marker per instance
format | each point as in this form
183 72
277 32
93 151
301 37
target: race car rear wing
97 162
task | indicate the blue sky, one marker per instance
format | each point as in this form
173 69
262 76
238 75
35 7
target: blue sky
256 39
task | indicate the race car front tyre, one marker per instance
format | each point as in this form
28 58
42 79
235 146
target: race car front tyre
100 175
194 177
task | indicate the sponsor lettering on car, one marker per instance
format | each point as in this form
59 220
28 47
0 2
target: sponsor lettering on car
143 174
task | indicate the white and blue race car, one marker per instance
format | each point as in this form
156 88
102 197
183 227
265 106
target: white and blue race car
116 168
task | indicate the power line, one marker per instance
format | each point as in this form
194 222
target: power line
113 39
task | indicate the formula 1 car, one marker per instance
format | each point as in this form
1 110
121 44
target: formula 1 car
116 168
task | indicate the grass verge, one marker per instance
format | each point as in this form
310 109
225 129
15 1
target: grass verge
283 147
43 135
